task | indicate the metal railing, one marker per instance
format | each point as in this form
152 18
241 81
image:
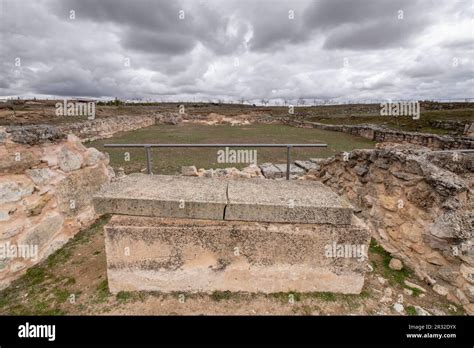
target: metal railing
149 146
456 150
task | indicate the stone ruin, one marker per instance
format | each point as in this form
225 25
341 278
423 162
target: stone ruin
176 233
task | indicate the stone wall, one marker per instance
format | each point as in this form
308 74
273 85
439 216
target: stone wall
86 130
45 198
381 134
458 127
419 205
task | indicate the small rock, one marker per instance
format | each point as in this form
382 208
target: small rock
13 191
395 264
440 290
387 295
452 298
120 172
253 170
93 156
40 176
69 160
437 311
4 215
462 297
467 273
189 171
361 170
398 308
421 311
382 280
414 286
209 173
469 308
408 292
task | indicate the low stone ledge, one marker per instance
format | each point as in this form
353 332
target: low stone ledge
222 199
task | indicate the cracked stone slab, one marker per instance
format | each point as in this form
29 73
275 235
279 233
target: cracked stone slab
286 201
270 171
294 170
318 160
307 165
164 196
278 171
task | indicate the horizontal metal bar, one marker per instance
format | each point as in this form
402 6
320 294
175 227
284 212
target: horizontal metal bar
456 150
215 145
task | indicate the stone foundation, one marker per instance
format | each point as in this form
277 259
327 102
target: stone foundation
167 255
177 233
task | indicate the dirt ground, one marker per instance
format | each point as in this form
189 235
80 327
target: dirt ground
73 281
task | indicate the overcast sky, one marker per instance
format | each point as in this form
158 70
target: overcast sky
225 49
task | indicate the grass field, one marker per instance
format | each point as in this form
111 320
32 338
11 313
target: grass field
169 161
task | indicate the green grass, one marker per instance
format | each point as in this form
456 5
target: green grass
394 277
286 296
169 161
453 309
34 276
410 310
124 296
325 296
58 257
221 295
102 291
61 295
416 292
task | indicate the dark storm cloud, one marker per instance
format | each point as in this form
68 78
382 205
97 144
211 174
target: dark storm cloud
345 49
375 25
159 26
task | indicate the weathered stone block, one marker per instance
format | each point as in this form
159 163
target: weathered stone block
164 195
295 201
75 191
270 171
159 254
13 188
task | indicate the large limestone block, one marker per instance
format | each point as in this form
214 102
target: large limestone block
190 255
164 196
285 201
